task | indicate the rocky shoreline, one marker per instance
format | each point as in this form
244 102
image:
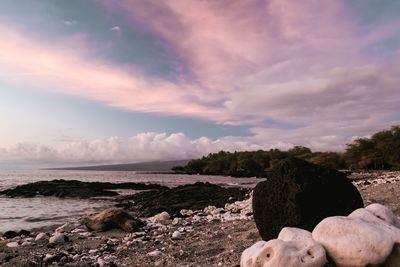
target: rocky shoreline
209 236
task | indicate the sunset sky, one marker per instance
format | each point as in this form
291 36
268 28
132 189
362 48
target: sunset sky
104 81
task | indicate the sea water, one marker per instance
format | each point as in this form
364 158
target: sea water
30 213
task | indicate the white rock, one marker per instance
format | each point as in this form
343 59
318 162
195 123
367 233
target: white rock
176 235
40 236
384 213
162 217
12 245
155 253
362 233
57 238
293 248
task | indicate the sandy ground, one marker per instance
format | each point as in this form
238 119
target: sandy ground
202 243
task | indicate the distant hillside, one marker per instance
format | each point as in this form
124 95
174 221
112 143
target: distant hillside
153 166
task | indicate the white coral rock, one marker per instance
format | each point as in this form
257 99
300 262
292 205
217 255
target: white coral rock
293 248
367 237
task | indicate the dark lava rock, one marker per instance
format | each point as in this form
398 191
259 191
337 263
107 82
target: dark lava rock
194 196
113 218
74 189
301 194
10 234
24 232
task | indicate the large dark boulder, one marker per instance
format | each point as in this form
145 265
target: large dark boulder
192 196
74 189
301 194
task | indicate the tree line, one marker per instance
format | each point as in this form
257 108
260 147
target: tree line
381 151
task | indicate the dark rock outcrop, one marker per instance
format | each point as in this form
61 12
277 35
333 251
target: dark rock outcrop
301 194
74 189
194 196
113 218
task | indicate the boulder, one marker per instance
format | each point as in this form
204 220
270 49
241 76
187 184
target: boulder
300 194
363 238
294 247
113 218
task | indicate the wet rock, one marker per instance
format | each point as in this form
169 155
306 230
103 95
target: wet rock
300 194
73 188
113 218
190 197
374 239
294 247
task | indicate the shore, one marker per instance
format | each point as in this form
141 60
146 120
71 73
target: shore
208 237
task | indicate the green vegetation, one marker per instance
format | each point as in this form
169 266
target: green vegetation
380 152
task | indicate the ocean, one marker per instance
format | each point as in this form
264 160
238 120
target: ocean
30 213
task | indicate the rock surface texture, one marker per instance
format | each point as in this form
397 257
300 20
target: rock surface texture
301 194
293 248
113 218
367 237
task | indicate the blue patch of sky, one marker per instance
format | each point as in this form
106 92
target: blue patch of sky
57 19
82 118
372 14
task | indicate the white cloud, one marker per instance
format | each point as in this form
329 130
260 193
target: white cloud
70 22
115 29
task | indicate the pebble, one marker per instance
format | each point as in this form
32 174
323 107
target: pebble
58 238
176 235
40 236
155 253
12 245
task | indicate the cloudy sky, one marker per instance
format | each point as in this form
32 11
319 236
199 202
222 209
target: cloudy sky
104 81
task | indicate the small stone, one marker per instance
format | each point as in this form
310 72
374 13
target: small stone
176 235
48 257
40 236
58 238
155 253
101 262
12 245
160 218
176 221
185 212
93 251
26 243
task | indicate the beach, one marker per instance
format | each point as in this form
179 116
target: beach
207 237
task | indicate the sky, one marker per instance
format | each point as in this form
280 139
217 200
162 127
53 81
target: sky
103 81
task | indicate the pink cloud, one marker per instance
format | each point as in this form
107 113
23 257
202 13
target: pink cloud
62 69
296 62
